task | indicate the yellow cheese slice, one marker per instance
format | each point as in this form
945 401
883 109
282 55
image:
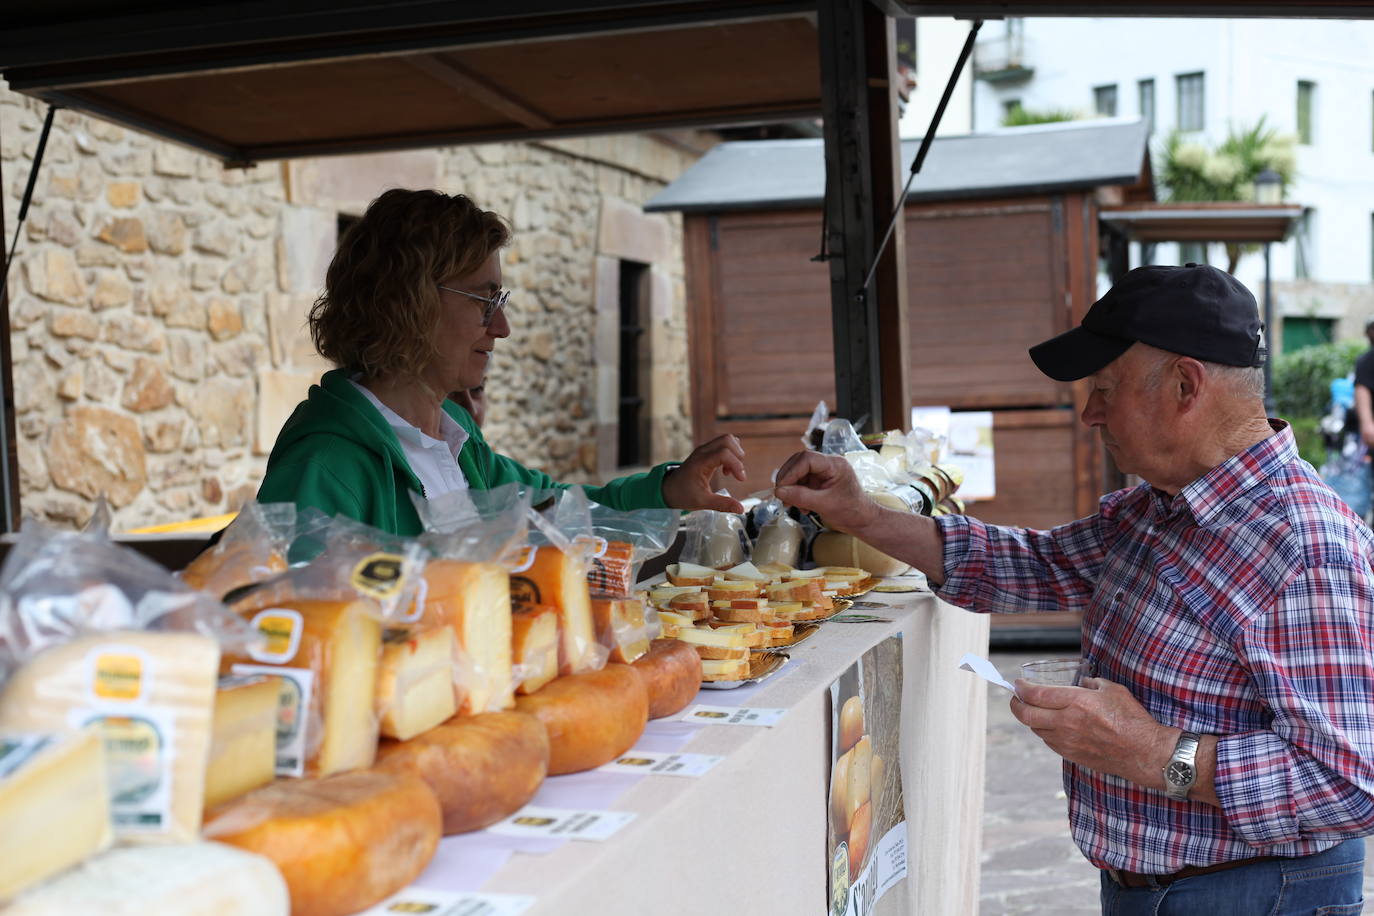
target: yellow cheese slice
243 744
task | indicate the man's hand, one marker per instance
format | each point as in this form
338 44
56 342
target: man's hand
826 485
1102 728
694 484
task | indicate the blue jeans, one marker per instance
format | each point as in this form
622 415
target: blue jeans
1328 883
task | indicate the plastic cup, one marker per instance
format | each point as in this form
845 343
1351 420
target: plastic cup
1056 672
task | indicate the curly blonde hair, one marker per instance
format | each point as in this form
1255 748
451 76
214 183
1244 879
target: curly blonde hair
380 304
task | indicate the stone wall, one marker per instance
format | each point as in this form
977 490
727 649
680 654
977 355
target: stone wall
158 304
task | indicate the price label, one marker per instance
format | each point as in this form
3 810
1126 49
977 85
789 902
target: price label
419 900
733 715
658 763
563 823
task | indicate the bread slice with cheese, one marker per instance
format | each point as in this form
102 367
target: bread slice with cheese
690 574
725 669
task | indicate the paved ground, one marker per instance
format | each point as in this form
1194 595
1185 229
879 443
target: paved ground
1030 866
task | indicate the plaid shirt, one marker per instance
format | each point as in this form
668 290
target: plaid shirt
1243 607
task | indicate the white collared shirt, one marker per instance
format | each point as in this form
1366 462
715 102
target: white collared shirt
434 461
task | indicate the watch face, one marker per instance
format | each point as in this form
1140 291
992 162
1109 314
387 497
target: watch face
1179 773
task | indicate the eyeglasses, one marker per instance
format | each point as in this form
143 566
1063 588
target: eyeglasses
494 304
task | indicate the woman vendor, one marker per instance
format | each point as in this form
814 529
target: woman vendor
412 309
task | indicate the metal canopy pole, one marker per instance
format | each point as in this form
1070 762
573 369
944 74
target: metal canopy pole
850 222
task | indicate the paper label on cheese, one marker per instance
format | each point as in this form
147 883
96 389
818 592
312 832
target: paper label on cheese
562 823
17 750
139 747
733 715
280 629
524 591
118 674
293 714
420 900
378 575
659 763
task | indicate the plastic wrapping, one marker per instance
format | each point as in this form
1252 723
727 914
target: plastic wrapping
780 537
420 680
625 626
840 438
252 548
534 647
714 539
631 539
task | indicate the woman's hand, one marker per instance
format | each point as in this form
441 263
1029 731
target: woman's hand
693 485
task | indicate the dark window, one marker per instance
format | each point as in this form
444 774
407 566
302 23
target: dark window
1301 331
1191 102
1307 98
633 447
1104 100
906 43
1145 91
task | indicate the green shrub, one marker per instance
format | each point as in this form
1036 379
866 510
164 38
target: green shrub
1020 117
1302 379
1308 435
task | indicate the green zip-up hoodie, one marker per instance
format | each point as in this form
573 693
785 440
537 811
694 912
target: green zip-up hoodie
337 453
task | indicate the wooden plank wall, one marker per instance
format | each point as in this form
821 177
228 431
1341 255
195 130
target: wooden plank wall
988 279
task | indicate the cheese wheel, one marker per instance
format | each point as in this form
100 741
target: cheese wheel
834 548
591 718
342 843
559 579
474 600
328 722
189 879
153 696
671 672
481 768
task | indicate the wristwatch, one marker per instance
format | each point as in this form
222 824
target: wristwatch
1181 771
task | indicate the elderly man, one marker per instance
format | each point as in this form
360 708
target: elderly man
1222 762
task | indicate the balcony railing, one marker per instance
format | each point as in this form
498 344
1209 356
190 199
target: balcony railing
1002 59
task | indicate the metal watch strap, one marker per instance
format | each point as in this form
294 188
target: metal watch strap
1181 771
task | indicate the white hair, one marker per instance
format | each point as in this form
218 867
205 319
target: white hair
1240 381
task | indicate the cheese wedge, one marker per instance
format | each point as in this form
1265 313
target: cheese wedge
187 879
778 634
723 611
690 574
724 669
723 590
746 571
754 635
803 574
730 636
674 622
534 647
328 652
716 653
415 680
696 604
243 745
474 599
47 781
621 628
153 696
807 591
557 579
342 843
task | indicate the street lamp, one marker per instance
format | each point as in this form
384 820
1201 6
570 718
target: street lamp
1268 192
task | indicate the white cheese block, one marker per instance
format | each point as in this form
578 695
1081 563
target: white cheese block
153 695
48 780
193 879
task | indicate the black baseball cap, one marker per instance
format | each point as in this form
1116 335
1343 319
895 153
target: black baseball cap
1195 310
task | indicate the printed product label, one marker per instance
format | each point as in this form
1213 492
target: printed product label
139 751
117 673
378 575
17 750
562 823
426 902
293 715
524 591
733 715
280 629
661 763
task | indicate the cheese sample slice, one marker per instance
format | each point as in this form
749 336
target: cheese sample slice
807 591
754 635
747 571
329 652
724 669
621 628
415 680
690 574
556 578
47 781
190 879
534 647
481 768
662 594
731 636
674 622
343 842
153 696
243 743
697 604
474 599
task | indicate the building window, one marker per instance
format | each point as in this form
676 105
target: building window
1192 253
1191 110
1303 249
1301 331
1145 90
1307 97
906 43
1104 100
632 449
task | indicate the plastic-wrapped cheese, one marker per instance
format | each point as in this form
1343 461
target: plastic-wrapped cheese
343 842
327 652
153 697
243 747
474 600
193 879
558 578
534 647
48 780
481 768
621 627
415 681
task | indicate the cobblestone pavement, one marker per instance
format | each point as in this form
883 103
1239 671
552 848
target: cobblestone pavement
1030 865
